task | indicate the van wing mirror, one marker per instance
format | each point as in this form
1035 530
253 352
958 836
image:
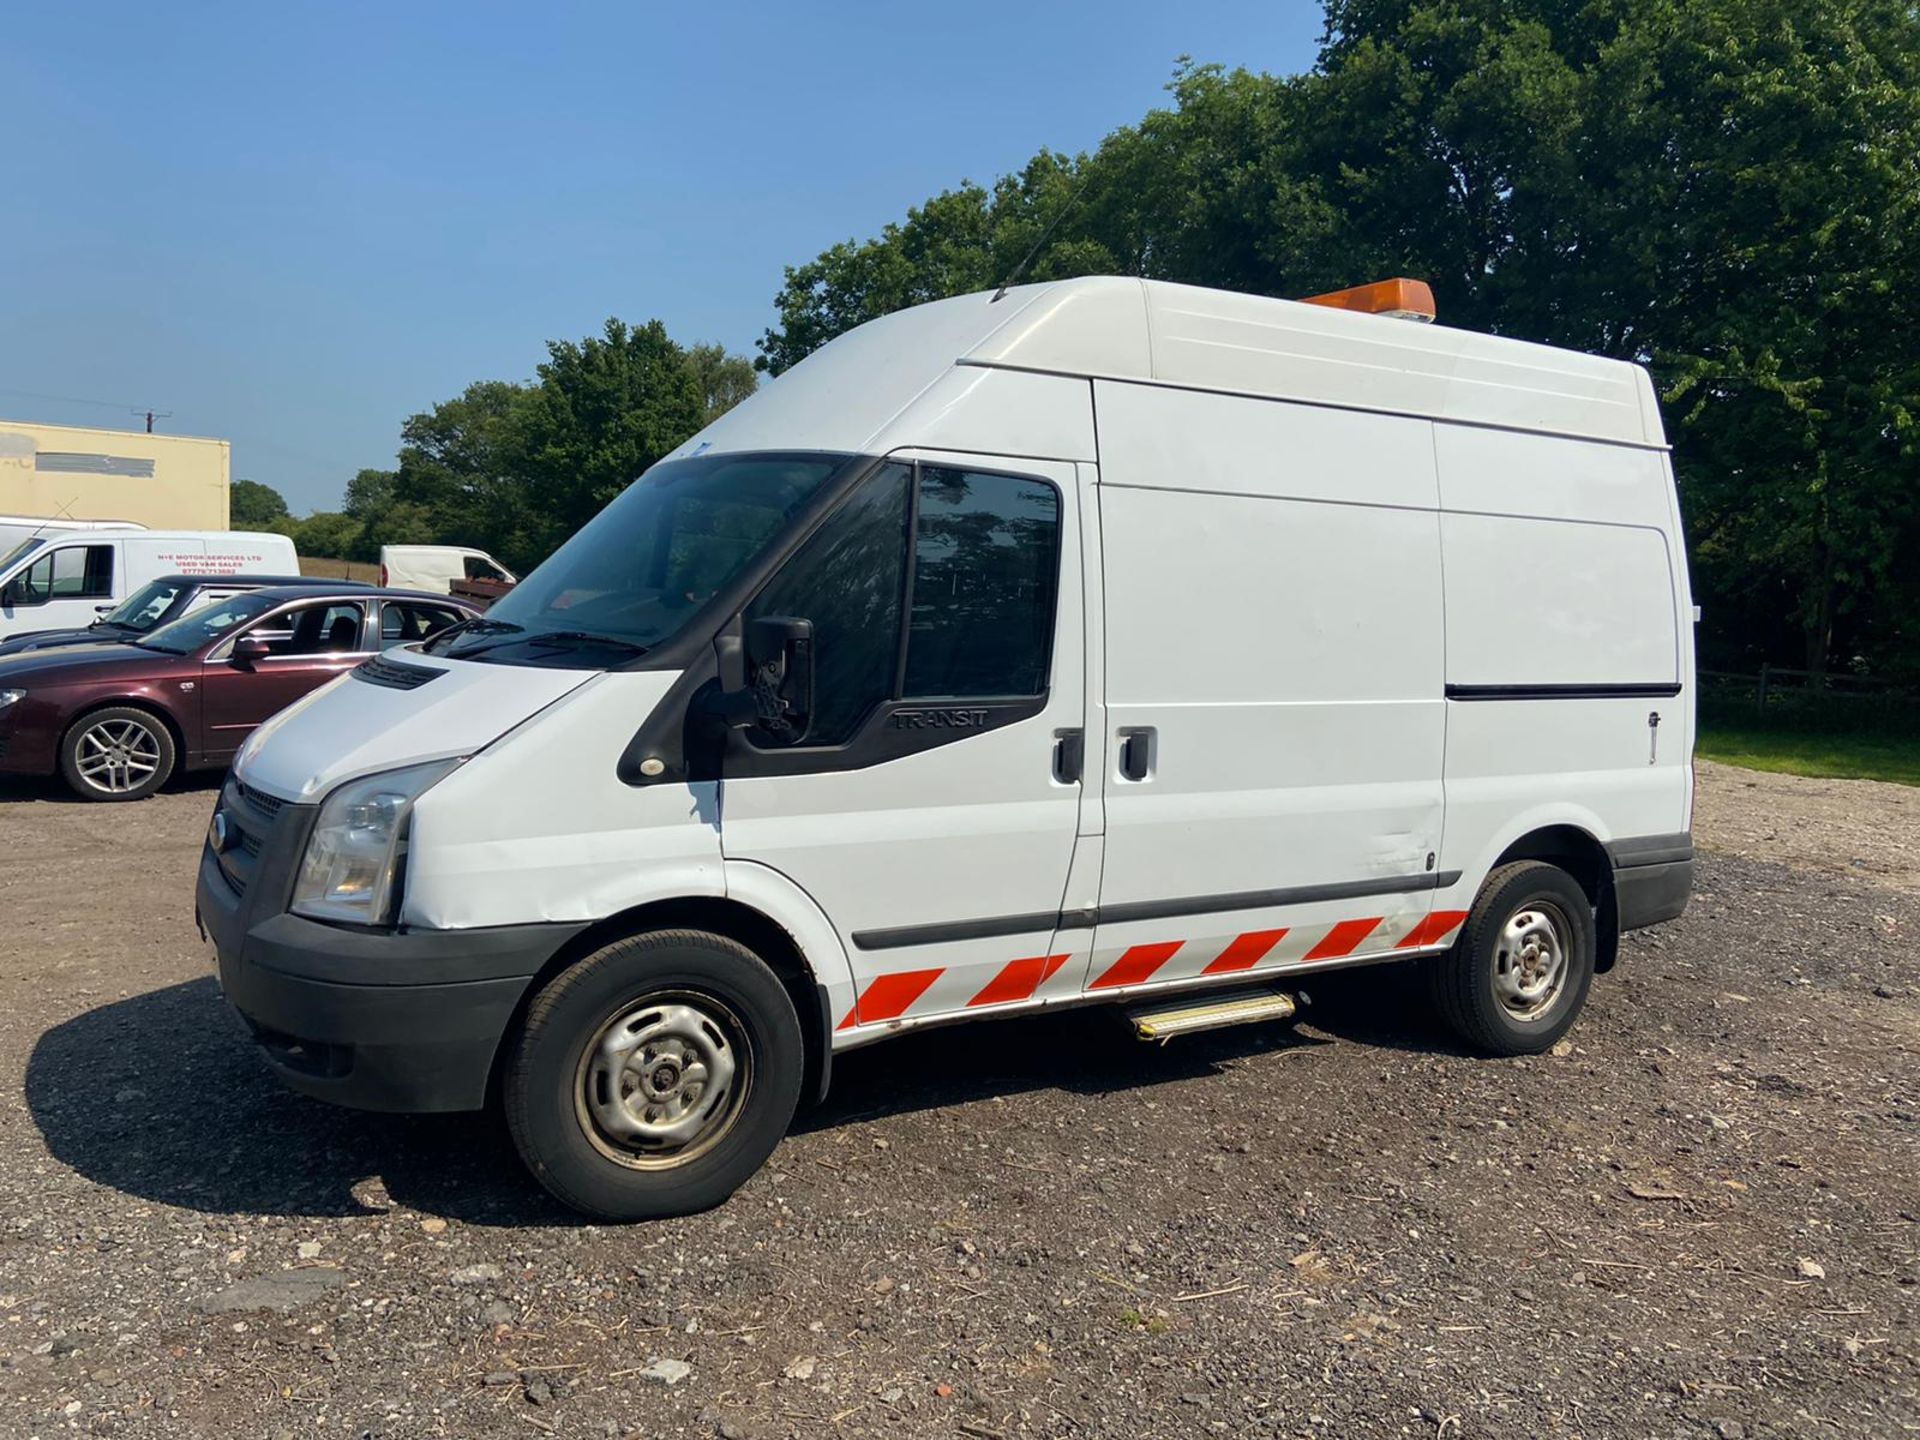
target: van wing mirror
779 692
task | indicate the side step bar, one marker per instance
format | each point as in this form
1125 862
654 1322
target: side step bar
1186 1017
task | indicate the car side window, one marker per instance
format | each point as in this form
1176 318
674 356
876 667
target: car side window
402 623
327 628
986 562
848 580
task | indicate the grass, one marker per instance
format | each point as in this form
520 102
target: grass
340 569
1828 757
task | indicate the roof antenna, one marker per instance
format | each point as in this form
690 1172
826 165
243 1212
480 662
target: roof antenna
1038 245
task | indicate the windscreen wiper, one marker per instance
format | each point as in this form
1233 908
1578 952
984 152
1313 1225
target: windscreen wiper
478 625
583 637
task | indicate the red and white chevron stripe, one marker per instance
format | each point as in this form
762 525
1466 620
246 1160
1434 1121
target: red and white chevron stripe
894 996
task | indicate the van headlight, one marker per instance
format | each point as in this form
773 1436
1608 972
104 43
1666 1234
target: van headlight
352 867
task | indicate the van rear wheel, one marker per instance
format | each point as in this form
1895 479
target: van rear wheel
654 1077
1516 979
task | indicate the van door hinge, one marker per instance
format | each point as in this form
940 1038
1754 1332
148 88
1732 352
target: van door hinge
1653 738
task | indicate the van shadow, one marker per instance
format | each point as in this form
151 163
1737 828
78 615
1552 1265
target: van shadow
163 1096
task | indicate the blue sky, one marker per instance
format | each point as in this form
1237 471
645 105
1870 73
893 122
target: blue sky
295 226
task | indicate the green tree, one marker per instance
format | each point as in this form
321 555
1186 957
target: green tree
515 468
724 379
1725 190
604 409
254 506
326 535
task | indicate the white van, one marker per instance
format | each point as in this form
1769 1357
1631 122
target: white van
14 529
438 567
62 579
1104 641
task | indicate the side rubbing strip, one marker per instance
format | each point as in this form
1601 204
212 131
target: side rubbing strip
1127 911
1654 690
1432 930
1245 952
1343 939
1136 967
1018 980
956 930
889 996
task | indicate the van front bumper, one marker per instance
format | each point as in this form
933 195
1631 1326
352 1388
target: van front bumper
402 1020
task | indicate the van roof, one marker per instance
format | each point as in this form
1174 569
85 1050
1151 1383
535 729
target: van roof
1156 333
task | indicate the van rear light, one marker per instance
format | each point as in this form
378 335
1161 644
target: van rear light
383 575
1400 298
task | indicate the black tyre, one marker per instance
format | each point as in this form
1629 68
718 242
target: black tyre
655 1076
119 753
1517 977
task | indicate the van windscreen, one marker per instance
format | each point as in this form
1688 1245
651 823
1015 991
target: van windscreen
19 552
638 570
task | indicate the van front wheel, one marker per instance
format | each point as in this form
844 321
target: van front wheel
655 1076
1518 975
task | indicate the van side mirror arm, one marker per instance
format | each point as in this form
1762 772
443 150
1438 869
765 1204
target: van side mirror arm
776 689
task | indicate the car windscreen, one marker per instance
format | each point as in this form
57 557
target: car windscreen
209 622
636 572
143 609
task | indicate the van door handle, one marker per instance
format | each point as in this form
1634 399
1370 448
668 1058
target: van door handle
1136 752
1069 755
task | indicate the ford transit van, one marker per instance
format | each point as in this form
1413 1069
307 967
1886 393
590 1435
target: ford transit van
1104 641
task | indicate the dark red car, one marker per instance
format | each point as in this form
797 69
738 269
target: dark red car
118 719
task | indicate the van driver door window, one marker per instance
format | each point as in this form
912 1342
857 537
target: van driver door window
70 585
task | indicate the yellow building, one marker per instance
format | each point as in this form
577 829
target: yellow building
164 482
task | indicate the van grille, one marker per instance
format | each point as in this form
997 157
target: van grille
267 805
250 815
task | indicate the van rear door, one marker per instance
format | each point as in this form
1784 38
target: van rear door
932 809
1273 683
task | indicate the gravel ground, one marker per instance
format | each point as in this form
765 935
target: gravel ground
1866 827
1701 1221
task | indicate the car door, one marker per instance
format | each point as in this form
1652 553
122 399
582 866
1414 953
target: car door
931 810
311 642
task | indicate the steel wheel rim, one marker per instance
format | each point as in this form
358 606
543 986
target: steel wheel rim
117 756
1531 960
664 1079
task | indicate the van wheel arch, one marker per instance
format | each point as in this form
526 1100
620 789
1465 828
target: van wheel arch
1583 857
742 923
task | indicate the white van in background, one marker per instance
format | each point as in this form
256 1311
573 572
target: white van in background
1099 641
60 579
440 568
16 529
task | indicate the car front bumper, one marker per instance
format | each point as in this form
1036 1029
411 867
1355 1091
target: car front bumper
397 1020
